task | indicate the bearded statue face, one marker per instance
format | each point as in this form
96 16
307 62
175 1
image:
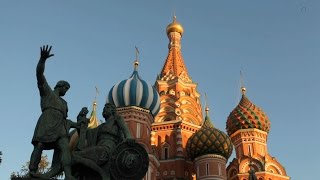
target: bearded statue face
108 110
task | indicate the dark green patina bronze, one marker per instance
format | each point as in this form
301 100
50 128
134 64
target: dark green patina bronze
107 152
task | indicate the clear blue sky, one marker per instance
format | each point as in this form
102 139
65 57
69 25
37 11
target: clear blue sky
275 43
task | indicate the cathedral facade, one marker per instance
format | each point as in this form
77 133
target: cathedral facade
182 143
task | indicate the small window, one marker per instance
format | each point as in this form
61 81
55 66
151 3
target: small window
207 169
249 150
138 130
166 153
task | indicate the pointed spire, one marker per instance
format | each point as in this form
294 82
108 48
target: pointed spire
207 121
243 89
136 61
206 106
174 65
94 122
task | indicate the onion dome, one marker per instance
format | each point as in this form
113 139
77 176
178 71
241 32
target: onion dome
135 92
94 121
247 115
209 140
174 27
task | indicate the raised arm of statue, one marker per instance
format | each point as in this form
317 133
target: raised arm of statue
44 55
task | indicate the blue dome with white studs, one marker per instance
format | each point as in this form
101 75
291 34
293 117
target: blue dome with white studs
135 92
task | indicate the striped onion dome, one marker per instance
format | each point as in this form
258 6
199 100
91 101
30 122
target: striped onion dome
135 92
209 140
247 115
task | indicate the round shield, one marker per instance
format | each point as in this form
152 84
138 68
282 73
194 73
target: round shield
129 162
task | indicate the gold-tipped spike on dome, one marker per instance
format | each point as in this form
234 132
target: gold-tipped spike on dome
207 121
136 64
94 122
174 27
243 90
206 106
207 111
136 61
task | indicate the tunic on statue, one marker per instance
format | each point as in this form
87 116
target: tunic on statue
52 123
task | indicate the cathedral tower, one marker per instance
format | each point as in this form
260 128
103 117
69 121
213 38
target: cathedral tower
138 102
180 112
248 126
210 149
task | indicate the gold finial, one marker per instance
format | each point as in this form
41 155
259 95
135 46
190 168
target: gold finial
243 89
175 26
174 18
206 105
136 62
174 15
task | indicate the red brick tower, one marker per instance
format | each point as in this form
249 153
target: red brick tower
248 126
180 112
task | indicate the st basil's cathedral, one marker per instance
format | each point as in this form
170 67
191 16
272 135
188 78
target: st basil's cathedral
167 119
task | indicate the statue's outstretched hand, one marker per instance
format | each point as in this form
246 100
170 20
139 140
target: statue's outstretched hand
45 52
82 114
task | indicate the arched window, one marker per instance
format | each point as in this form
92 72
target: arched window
165 151
249 150
138 135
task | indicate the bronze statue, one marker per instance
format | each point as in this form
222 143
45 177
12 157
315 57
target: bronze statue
110 151
101 141
51 131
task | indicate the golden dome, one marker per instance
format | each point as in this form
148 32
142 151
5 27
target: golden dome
174 27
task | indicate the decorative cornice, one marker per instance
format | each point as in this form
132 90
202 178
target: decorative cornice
172 125
249 135
133 107
207 156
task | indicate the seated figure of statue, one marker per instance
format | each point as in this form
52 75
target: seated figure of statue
99 144
102 140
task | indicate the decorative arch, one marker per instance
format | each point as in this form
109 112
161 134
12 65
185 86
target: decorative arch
256 164
166 117
273 168
167 100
